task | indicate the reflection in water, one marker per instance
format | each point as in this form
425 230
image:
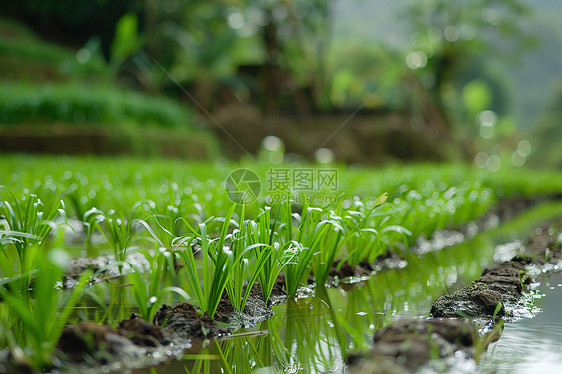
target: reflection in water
314 335
319 332
531 345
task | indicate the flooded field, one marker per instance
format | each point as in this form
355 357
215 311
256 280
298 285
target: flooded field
315 334
531 345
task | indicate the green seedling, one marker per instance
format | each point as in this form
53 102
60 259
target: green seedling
147 290
249 260
276 245
217 264
38 320
118 231
498 309
26 222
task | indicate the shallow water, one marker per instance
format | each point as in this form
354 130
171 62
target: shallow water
314 335
531 345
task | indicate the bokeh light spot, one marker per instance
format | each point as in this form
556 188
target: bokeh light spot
451 33
83 55
416 60
272 143
524 148
324 155
235 20
517 159
494 163
481 160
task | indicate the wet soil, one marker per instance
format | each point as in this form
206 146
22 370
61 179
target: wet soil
186 320
406 345
545 246
93 343
103 268
499 286
346 270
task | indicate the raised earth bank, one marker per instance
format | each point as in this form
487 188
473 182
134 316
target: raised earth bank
464 322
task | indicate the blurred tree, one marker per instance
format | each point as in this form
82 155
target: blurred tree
297 38
125 42
548 133
269 52
72 22
451 41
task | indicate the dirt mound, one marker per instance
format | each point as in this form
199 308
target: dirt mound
408 344
498 285
102 343
469 302
186 321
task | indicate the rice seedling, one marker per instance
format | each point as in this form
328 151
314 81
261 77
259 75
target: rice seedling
37 320
321 232
118 231
168 217
297 266
268 246
147 285
180 211
245 269
363 239
26 222
217 263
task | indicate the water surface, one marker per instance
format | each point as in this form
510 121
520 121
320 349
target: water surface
531 345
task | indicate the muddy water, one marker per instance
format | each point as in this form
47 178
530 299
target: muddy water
315 334
531 345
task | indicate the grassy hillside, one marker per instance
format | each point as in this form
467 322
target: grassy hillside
58 100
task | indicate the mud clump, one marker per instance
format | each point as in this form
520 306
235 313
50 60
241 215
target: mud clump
468 302
141 332
187 322
408 344
79 265
103 343
338 271
545 246
507 269
279 290
454 331
510 207
256 309
499 283
346 270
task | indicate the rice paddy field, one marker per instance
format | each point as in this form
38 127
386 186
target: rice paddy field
151 233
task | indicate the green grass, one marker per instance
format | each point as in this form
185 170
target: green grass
218 263
51 99
84 103
149 288
24 56
26 222
169 210
32 324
